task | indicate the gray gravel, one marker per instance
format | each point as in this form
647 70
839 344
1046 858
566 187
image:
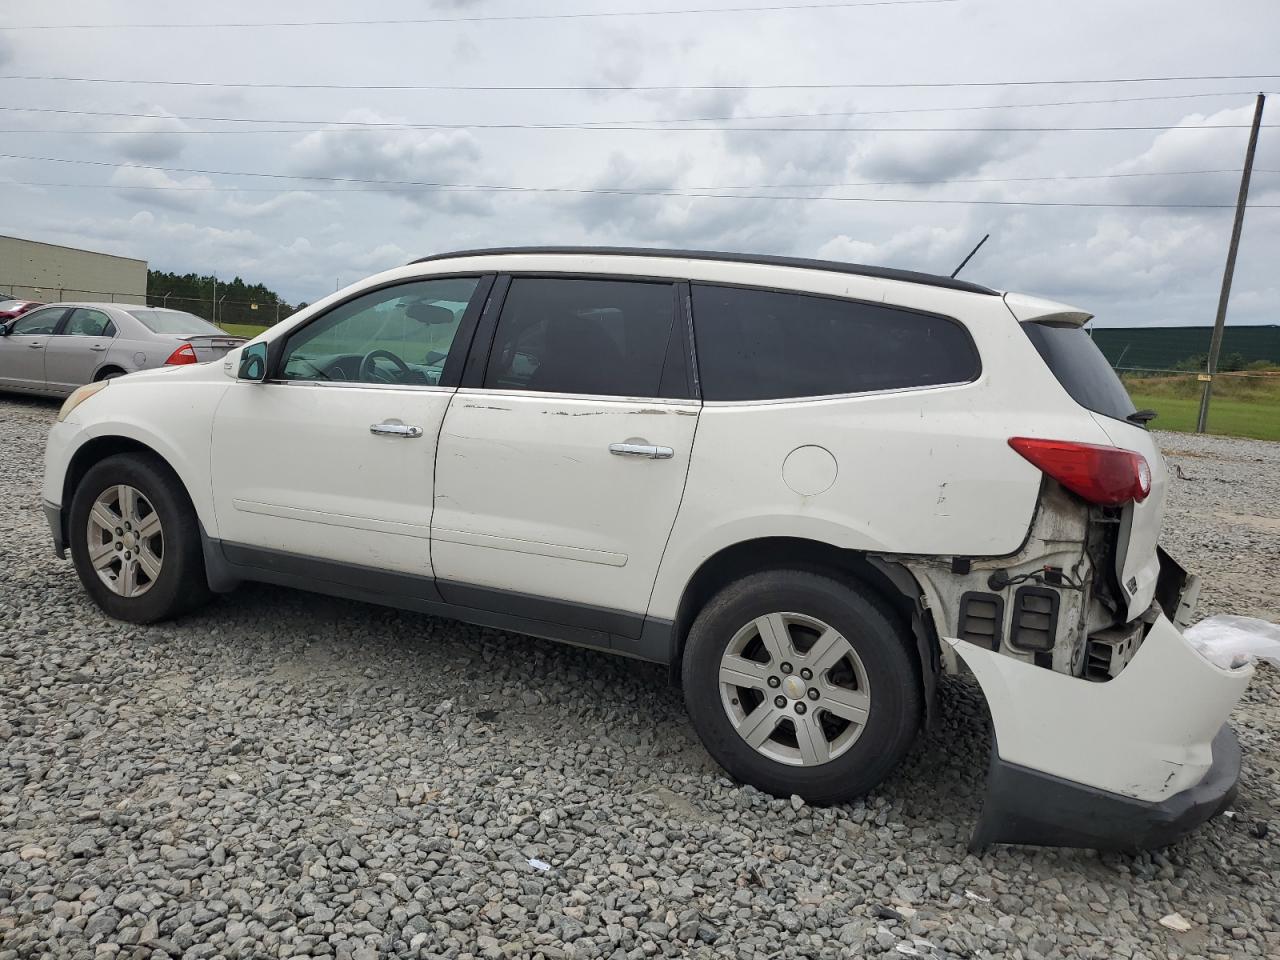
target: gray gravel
289 775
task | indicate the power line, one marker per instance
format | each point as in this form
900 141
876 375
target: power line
509 88
759 186
487 18
608 124
687 194
609 191
636 128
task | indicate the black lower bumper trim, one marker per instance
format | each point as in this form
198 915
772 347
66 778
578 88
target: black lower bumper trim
53 514
1030 807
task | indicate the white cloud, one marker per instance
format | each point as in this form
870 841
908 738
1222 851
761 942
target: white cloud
421 156
152 139
145 185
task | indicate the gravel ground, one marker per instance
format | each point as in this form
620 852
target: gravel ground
287 775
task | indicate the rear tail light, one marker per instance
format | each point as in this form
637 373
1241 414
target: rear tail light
1107 476
184 354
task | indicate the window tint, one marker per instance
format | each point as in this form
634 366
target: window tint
1081 368
399 334
85 322
38 321
599 337
160 320
762 345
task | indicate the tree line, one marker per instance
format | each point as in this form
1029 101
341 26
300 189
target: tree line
237 301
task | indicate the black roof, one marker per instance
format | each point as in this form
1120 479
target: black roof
833 266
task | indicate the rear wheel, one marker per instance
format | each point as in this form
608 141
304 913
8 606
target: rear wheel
798 683
134 540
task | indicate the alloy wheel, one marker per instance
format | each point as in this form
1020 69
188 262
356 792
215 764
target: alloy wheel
126 540
794 689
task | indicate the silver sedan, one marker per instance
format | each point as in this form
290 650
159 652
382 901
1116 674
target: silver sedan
56 348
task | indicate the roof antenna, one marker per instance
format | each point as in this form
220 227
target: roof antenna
970 256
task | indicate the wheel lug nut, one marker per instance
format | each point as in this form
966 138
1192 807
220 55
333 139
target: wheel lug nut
128 526
800 707
774 681
813 694
119 545
806 673
119 532
786 668
779 702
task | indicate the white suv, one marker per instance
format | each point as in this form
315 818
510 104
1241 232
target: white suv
808 487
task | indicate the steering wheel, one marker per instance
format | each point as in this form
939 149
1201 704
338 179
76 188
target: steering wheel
369 367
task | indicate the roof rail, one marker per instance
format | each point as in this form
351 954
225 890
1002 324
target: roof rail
833 266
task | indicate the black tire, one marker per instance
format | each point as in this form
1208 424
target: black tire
110 373
181 585
883 645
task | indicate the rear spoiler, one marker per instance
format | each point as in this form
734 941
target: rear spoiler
215 340
1026 309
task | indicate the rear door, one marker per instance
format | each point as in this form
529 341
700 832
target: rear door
562 465
77 348
22 351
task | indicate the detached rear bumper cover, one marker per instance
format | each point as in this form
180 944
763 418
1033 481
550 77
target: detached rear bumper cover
1133 762
1026 806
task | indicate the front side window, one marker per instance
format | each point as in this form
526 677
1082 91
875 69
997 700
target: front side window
767 345
87 322
595 337
396 335
37 322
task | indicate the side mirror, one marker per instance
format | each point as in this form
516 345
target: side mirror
4 329
253 363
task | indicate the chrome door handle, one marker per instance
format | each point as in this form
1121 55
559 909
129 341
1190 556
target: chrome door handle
97 348
35 346
396 430
641 450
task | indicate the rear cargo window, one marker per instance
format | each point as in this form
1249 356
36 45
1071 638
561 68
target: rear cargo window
175 321
1081 368
769 345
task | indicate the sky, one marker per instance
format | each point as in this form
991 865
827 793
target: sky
174 190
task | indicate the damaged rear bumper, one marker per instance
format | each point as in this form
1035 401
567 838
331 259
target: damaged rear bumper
1028 806
1133 762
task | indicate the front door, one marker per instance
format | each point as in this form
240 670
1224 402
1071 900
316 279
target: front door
332 457
559 474
74 352
22 351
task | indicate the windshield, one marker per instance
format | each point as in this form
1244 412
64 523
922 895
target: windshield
174 321
1081 368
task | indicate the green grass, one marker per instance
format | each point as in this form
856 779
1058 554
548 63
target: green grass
1240 407
242 329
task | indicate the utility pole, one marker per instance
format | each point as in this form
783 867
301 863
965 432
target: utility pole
1219 322
215 298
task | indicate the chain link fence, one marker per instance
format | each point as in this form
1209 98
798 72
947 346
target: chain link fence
221 311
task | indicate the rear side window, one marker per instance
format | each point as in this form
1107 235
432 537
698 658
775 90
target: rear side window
1081 368
765 345
596 337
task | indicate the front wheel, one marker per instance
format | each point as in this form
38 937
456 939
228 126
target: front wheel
798 683
134 540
